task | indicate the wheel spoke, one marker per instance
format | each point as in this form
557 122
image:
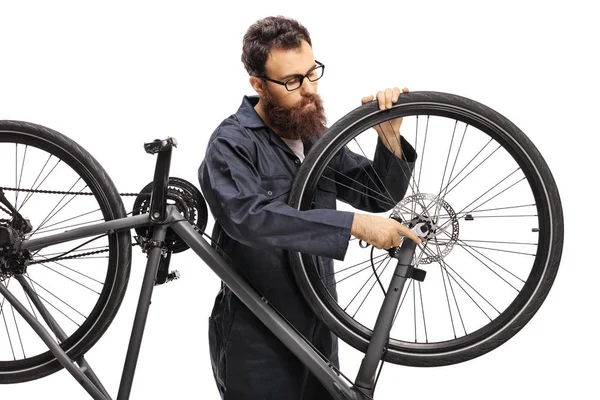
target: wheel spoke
65 227
415 187
59 310
57 298
465 248
447 267
20 176
458 174
390 197
423 312
356 190
469 163
47 218
372 286
410 282
71 279
496 241
489 259
415 311
423 153
367 281
5 323
30 194
75 217
75 271
462 322
34 182
36 294
448 158
444 277
18 330
384 199
353 266
445 190
493 197
493 249
490 209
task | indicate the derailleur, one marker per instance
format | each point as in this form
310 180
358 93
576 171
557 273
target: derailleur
17 222
10 262
162 275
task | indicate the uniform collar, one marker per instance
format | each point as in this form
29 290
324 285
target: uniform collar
247 115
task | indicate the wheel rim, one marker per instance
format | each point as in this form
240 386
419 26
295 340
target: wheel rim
76 291
415 337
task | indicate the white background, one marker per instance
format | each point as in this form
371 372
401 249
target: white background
116 74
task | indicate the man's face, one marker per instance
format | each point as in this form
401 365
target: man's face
297 114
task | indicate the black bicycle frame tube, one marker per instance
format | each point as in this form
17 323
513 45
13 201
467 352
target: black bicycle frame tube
261 308
321 368
60 334
58 352
86 231
381 331
141 314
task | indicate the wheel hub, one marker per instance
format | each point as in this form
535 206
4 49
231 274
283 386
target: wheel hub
439 219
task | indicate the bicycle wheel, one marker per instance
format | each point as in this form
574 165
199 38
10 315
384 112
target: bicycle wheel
56 185
488 194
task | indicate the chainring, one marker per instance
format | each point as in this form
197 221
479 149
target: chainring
186 198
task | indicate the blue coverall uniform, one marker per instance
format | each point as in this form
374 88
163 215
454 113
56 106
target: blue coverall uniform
246 176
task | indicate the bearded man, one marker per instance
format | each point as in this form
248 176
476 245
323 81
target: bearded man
250 163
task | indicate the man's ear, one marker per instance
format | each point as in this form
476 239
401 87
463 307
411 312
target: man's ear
258 85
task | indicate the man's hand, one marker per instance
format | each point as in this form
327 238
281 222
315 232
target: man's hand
381 232
388 131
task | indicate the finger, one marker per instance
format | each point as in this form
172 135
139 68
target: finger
396 95
388 98
367 99
396 241
404 231
381 99
404 90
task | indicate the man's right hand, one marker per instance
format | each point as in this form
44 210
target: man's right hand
381 232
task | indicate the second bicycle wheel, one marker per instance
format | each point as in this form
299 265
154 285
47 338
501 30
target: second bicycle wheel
492 204
56 185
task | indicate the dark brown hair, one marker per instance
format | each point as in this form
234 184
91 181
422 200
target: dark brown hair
266 34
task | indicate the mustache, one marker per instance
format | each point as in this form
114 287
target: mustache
311 98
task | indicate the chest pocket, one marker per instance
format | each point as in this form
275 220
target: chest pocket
276 187
326 191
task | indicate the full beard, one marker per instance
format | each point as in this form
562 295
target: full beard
297 122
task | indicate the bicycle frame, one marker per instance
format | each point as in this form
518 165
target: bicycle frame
163 217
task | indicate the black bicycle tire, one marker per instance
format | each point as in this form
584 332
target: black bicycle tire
118 270
439 104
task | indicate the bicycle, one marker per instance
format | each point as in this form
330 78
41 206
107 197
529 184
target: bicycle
170 216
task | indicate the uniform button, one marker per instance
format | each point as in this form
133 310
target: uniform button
297 161
269 193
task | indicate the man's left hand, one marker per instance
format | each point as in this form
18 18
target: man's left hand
389 131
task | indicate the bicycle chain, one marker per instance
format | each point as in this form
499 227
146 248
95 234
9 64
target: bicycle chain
63 193
59 192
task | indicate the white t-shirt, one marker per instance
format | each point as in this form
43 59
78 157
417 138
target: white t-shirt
296 146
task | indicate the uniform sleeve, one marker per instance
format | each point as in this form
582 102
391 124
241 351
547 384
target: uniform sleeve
377 185
247 207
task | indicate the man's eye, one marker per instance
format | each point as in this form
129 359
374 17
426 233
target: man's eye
293 81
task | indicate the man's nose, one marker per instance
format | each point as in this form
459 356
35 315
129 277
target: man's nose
308 87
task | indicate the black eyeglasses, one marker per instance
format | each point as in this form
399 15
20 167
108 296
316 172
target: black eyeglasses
294 82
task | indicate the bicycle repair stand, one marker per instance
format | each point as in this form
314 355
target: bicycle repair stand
160 217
